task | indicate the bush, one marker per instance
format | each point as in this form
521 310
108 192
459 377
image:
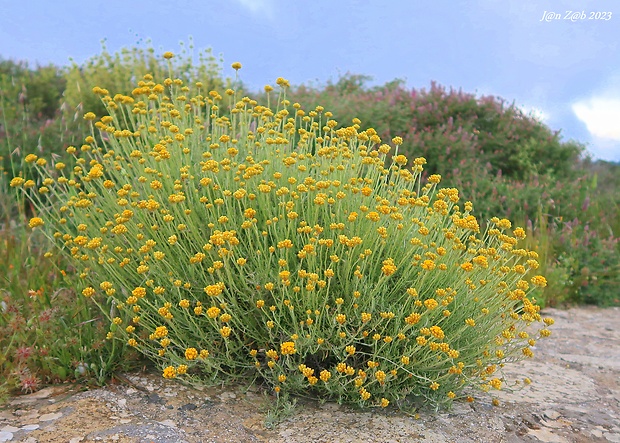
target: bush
37 91
221 248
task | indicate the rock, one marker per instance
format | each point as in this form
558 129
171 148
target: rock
597 433
227 395
30 417
168 423
30 427
553 424
530 421
155 398
50 417
39 395
43 393
547 436
615 438
5 436
601 420
9 429
551 414
188 407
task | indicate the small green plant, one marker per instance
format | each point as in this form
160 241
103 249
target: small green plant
47 333
259 242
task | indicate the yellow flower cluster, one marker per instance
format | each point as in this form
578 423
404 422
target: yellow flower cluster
245 229
288 348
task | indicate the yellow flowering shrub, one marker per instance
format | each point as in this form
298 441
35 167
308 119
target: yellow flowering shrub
260 241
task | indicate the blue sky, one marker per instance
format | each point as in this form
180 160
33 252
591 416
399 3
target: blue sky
567 72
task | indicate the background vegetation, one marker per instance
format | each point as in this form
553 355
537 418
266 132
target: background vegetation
504 161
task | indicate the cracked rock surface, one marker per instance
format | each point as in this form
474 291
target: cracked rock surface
574 398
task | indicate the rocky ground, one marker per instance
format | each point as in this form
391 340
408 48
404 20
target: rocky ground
574 398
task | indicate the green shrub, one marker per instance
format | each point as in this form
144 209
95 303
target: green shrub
221 248
592 263
576 235
35 91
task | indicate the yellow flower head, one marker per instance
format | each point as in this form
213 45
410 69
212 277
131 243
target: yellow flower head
215 290
225 331
160 331
282 82
325 375
388 267
287 348
170 372
539 281
88 292
35 222
400 160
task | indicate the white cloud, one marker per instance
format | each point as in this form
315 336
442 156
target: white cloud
258 7
536 113
601 115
